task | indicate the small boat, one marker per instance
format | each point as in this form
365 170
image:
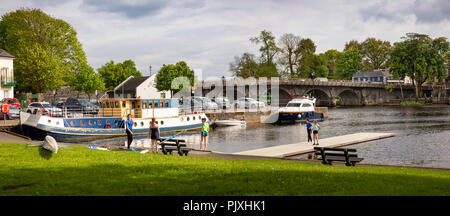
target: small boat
230 122
297 110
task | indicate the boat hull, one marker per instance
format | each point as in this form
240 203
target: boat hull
37 127
300 116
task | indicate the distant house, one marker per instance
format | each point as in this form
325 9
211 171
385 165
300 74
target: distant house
375 76
6 75
139 87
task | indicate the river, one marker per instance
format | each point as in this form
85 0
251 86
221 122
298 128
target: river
422 134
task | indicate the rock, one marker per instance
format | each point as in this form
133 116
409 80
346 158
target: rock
50 144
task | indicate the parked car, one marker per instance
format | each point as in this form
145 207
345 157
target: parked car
12 101
205 103
14 112
44 108
248 103
221 102
186 105
79 105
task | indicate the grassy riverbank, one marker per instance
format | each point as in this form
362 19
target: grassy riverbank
80 171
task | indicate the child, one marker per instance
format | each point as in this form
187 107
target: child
316 128
204 134
154 134
129 129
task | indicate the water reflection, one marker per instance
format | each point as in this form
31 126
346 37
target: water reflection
422 134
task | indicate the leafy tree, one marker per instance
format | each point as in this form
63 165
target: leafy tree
267 70
268 49
421 58
354 44
375 53
305 58
244 66
46 49
348 64
320 65
332 57
85 79
168 73
114 74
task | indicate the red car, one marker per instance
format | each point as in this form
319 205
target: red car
12 101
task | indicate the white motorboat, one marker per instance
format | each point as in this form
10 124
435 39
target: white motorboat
230 122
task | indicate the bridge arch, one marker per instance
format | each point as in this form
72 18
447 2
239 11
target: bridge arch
349 97
322 97
284 96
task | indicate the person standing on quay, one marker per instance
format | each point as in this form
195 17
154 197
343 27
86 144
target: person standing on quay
129 130
204 134
154 134
316 128
309 127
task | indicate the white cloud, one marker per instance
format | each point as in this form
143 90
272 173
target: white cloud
208 34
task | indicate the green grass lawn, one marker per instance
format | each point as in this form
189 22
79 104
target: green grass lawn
81 171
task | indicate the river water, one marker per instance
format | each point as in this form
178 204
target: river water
422 134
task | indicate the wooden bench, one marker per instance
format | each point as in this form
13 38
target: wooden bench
328 155
173 144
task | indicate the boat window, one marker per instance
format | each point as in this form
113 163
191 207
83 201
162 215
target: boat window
82 123
108 122
182 119
115 122
107 104
167 104
294 104
135 124
306 105
123 103
150 105
156 122
99 122
162 122
193 118
57 122
91 122
72 123
187 118
142 123
156 105
133 105
49 121
117 104
144 105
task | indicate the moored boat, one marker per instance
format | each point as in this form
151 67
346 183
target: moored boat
297 110
109 122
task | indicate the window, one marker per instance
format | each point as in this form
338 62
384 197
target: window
91 122
82 123
162 122
150 105
115 122
144 105
99 122
72 123
142 124
117 104
306 105
123 104
163 95
107 104
167 104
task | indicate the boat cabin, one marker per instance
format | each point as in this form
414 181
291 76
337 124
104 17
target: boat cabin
139 108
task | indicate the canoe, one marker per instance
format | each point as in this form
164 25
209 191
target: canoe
229 122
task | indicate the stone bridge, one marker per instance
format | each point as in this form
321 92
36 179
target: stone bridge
332 93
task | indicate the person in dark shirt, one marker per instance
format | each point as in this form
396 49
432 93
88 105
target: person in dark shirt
154 135
309 130
129 129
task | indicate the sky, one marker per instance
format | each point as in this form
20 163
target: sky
207 34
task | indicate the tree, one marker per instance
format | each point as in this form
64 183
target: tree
421 58
268 49
305 57
354 44
114 74
320 65
168 73
348 64
289 45
46 49
85 79
375 53
332 57
244 66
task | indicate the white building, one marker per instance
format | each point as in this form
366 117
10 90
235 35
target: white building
6 75
140 87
